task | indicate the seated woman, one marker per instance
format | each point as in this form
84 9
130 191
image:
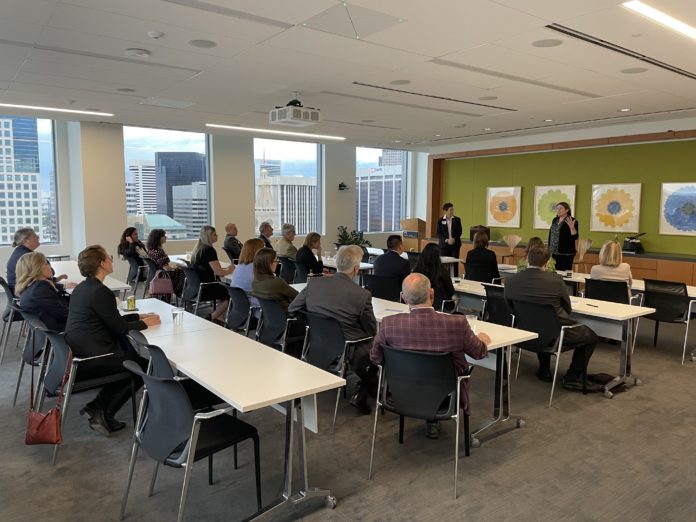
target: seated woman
611 265
535 242
481 263
430 266
131 249
306 257
244 273
39 296
155 251
95 327
265 284
205 260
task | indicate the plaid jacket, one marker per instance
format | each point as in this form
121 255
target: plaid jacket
426 330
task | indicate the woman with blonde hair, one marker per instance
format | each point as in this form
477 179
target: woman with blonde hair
306 257
37 293
205 260
611 266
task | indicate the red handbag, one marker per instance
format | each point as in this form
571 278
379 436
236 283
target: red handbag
45 428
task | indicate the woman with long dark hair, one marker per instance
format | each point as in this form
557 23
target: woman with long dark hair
562 237
131 249
430 266
155 251
265 284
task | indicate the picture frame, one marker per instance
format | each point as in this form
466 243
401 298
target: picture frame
546 198
678 209
503 206
615 208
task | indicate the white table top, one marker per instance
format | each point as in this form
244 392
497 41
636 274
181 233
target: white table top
447 260
383 308
504 267
70 269
607 309
190 322
470 287
637 285
330 262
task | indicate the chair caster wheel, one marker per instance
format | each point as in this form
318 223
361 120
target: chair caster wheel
521 423
608 394
331 501
475 443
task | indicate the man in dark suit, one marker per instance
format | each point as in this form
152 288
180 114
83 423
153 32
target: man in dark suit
391 264
265 232
537 285
339 297
423 329
449 230
232 245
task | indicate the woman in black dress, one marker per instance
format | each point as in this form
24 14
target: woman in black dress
155 251
205 260
131 249
562 237
430 266
481 263
306 257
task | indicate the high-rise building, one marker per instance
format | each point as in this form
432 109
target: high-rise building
176 169
379 191
190 203
26 144
141 187
50 212
272 167
287 199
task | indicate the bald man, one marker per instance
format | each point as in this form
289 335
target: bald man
232 245
424 329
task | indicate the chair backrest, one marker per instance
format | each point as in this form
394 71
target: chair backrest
413 258
478 272
366 255
497 310
239 312
538 318
273 322
388 288
35 338
614 291
229 253
60 355
571 286
133 270
151 270
301 273
326 341
669 299
287 269
419 381
193 282
7 289
169 416
159 364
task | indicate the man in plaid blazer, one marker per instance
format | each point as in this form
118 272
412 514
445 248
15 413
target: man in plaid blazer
424 329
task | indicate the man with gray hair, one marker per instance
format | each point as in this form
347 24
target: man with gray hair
424 329
265 231
284 246
339 297
232 245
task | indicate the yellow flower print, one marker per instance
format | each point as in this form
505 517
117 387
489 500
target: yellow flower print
615 208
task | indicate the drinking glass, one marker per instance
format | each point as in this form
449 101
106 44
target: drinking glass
178 316
472 319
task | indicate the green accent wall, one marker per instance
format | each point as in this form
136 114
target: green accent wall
466 180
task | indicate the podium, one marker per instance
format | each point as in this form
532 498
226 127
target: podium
413 231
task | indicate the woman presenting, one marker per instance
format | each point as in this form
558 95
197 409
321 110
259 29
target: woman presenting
562 237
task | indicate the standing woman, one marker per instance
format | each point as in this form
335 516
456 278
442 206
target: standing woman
449 230
132 250
562 237
205 260
155 251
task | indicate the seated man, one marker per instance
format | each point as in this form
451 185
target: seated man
537 285
284 246
391 264
339 297
424 329
232 245
265 232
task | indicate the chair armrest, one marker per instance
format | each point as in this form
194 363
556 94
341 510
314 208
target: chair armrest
569 326
211 283
83 359
211 414
356 341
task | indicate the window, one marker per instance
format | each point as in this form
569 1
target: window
27 155
380 179
166 181
287 188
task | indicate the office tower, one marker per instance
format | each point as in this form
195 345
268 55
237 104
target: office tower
190 204
272 167
287 199
379 191
141 189
49 207
177 169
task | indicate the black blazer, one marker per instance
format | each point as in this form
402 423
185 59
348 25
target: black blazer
266 242
306 258
391 264
94 325
481 265
233 245
566 240
444 235
45 302
131 252
12 264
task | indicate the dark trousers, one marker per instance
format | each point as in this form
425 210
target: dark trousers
583 341
363 368
452 251
564 261
113 395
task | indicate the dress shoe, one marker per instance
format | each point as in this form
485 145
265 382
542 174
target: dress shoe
359 401
113 424
432 429
577 385
544 374
98 423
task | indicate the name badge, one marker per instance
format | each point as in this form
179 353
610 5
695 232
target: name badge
444 221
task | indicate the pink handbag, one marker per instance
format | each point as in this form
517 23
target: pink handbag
161 284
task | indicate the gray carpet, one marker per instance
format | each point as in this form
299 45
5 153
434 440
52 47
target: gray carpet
586 458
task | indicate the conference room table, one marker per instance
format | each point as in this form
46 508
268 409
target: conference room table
248 376
71 269
607 319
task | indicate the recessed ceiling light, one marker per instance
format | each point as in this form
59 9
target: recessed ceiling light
661 18
125 89
548 120
270 131
396 141
488 98
400 82
54 109
487 129
634 70
625 109
437 135
155 34
134 52
548 42
203 44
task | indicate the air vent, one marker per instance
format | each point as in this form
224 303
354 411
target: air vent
232 13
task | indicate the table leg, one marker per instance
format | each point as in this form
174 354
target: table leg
501 402
305 492
625 376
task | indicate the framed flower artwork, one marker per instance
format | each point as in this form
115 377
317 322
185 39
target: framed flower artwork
503 207
545 200
615 208
678 209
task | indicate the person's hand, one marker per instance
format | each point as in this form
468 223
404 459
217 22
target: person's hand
484 337
450 241
70 285
61 277
129 239
571 223
150 319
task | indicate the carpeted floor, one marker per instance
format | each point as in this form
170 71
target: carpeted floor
586 458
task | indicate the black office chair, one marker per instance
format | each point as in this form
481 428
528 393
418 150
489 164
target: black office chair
287 269
275 328
419 383
301 273
326 347
11 315
672 305
366 255
172 434
239 312
136 273
34 347
195 292
603 290
413 258
152 269
495 308
479 272
383 287
542 320
230 255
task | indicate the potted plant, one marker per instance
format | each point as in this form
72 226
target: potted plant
350 238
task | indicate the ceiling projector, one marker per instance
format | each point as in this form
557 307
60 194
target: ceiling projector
294 114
